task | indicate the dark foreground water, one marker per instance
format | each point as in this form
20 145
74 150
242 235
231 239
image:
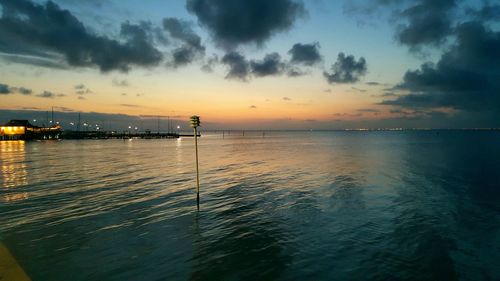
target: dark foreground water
290 206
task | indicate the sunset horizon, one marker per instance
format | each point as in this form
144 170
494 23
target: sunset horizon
375 66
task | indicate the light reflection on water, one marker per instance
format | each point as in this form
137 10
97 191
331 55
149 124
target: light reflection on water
290 206
13 169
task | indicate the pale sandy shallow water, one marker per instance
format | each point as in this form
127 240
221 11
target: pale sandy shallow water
290 206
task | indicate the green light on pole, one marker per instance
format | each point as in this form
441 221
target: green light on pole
195 123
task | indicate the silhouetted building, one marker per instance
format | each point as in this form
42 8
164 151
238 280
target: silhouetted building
23 130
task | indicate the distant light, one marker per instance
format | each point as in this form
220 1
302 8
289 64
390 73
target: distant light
135 128
85 124
34 120
97 128
50 121
178 127
130 127
72 124
57 123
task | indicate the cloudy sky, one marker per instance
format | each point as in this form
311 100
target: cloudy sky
290 64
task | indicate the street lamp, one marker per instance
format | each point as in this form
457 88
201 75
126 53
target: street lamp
195 123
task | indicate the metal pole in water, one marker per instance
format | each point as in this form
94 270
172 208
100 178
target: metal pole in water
197 169
195 123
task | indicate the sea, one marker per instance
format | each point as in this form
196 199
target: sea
274 205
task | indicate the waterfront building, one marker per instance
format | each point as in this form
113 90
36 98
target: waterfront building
23 130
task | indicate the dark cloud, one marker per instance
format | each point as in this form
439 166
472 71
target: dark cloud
346 69
39 30
120 83
5 89
465 78
307 54
419 23
270 65
143 33
373 83
49 95
81 90
236 22
388 94
369 110
287 99
51 62
327 90
30 108
428 22
182 31
358 89
129 105
347 115
239 67
295 72
253 107
210 63
182 56
63 109
191 48
95 3
24 91
367 8
489 12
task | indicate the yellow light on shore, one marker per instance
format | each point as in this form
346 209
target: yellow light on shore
12 130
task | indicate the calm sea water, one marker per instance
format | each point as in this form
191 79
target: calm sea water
290 206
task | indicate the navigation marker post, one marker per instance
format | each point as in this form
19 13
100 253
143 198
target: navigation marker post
195 123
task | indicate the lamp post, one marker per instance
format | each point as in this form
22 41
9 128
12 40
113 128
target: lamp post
195 123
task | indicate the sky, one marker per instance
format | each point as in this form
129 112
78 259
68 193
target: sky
281 64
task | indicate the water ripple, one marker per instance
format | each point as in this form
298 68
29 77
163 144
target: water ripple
290 206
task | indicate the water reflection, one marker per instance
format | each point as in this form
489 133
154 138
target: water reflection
15 197
14 170
249 245
290 206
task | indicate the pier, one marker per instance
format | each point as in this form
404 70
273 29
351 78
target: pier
23 130
121 135
117 135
